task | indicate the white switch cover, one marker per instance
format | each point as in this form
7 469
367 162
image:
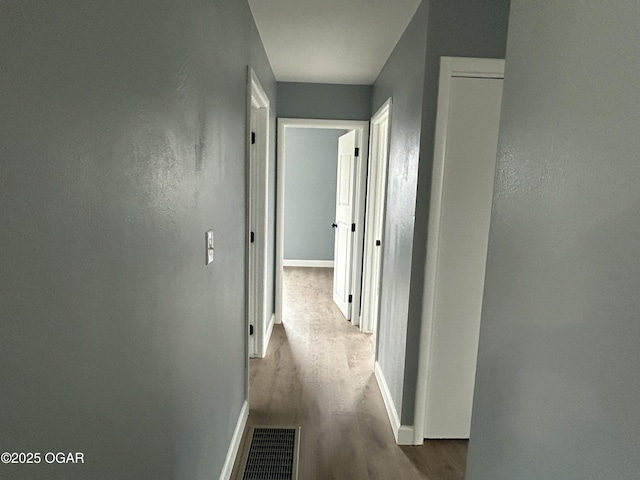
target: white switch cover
209 247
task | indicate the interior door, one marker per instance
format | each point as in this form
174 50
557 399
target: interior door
345 206
469 165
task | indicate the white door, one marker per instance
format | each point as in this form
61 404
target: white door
469 136
345 207
374 230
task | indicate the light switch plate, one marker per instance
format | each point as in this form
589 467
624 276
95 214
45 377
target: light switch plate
208 245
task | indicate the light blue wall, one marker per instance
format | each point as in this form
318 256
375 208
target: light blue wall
122 140
401 78
324 101
557 386
310 192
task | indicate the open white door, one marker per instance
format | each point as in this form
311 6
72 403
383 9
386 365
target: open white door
345 212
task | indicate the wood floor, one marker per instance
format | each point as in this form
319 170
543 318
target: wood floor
318 373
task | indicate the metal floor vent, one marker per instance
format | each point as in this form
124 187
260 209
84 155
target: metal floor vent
272 454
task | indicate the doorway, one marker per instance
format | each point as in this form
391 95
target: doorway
360 129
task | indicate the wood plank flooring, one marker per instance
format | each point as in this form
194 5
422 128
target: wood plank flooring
318 373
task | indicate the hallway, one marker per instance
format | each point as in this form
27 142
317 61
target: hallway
318 373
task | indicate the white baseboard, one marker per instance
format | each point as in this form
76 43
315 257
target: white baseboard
406 436
267 336
308 263
227 469
402 433
392 413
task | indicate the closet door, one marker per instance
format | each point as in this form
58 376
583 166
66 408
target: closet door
467 171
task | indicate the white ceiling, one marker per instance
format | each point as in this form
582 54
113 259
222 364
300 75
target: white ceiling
330 41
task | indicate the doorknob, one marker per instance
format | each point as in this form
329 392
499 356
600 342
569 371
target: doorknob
334 225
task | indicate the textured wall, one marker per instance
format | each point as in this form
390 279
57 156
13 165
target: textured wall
401 78
310 192
122 140
324 101
557 385
460 28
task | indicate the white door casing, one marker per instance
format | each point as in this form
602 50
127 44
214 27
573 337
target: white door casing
375 217
362 134
467 126
344 238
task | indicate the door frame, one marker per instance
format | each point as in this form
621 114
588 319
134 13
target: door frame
257 155
375 214
362 142
450 67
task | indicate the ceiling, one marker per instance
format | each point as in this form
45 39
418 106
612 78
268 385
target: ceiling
330 41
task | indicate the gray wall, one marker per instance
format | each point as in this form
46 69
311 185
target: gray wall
310 192
401 78
122 141
557 386
461 28
324 101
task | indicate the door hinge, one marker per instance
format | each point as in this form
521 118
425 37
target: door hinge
250 329
253 138
252 237
357 154
350 298
353 227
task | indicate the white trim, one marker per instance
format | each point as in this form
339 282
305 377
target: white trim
267 335
375 216
234 446
362 129
257 92
308 263
406 435
392 413
403 434
449 67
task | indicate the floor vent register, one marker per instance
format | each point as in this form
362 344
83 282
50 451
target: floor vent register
272 454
